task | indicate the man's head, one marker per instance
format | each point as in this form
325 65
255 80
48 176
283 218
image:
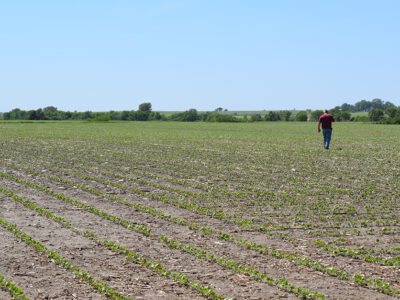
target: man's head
326 111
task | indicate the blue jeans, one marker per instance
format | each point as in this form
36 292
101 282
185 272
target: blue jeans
327 133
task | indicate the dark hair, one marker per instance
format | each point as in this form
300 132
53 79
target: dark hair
326 110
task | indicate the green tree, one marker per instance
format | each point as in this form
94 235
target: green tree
87 115
272 116
345 115
190 115
51 113
125 115
393 112
146 106
336 113
376 115
347 107
256 117
301 116
314 116
155 116
394 115
285 115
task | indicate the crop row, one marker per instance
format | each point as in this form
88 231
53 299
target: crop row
299 224
101 159
249 271
178 277
162 160
385 230
127 224
358 279
359 253
59 260
14 291
219 214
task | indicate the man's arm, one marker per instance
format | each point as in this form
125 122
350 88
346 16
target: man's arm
319 125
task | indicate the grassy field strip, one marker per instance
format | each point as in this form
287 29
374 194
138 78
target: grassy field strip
204 290
246 223
59 260
359 279
14 291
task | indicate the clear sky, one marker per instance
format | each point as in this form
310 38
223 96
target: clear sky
103 55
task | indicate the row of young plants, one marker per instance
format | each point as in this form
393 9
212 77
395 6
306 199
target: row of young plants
385 230
349 211
127 224
311 171
180 278
208 187
101 159
359 253
349 224
185 203
246 222
257 191
165 198
149 150
14 291
358 279
282 284
108 145
59 260
135 205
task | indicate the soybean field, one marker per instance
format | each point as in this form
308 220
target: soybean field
170 210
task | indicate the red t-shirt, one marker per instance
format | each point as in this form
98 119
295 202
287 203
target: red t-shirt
326 120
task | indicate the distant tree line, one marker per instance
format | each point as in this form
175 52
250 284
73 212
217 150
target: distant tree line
378 111
366 106
389 116
144 113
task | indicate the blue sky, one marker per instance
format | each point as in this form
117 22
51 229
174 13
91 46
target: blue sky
241 55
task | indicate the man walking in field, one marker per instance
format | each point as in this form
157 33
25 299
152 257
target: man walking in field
326 120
